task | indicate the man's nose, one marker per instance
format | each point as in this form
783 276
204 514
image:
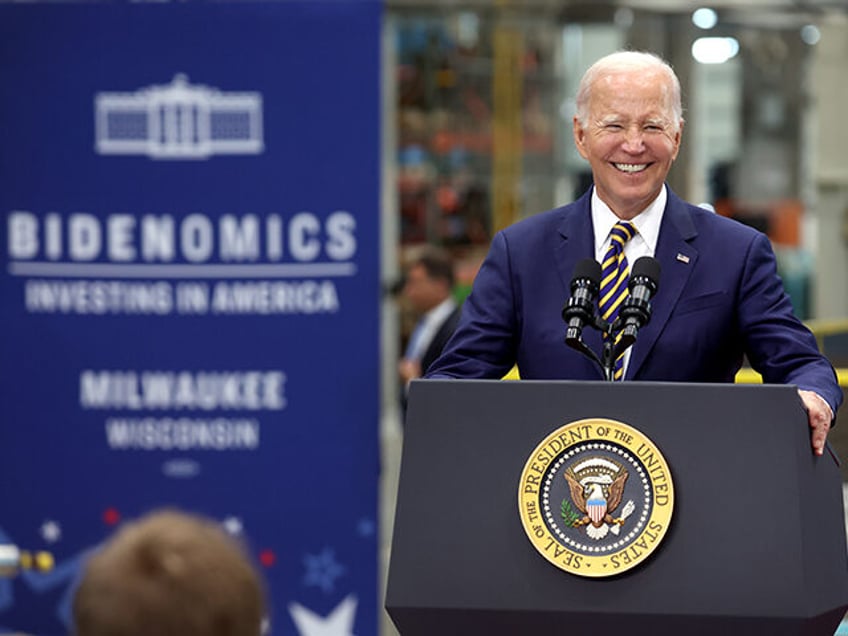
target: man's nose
634 140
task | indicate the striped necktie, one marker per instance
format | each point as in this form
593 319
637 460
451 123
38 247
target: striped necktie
614 274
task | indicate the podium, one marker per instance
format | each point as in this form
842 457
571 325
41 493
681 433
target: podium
756 543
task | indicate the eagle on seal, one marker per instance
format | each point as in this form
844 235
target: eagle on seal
597 496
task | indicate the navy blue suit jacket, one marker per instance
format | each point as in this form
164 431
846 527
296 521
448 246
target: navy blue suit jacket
719 298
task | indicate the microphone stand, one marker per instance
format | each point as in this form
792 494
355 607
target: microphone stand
634 314
613 349
609 360
574 340
579 311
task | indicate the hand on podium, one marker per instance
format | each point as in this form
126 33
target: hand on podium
819 415
409 370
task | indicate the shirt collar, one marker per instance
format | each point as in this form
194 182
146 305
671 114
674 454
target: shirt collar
441 311
647 222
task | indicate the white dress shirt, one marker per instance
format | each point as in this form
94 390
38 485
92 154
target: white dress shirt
644 243
427 327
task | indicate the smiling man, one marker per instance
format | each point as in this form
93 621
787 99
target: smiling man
628 127
719 299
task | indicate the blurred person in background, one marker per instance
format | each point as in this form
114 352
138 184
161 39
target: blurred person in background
428 289
170 574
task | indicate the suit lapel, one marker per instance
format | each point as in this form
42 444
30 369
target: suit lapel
576 238
678 259
576 241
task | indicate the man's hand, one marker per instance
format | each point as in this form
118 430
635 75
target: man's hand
820 415
409 370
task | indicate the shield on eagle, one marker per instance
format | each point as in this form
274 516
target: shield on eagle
596 509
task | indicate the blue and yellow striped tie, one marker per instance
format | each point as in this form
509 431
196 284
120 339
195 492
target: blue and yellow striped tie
614 275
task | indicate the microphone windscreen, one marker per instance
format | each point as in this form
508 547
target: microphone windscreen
648 267
588 268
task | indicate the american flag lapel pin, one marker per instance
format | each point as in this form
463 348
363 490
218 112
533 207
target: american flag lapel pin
682 258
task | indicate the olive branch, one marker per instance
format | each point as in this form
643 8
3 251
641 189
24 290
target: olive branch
568 514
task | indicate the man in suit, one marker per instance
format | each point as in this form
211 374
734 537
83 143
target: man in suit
719 296
428 287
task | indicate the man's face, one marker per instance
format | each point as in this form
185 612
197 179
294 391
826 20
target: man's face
630 139
422 291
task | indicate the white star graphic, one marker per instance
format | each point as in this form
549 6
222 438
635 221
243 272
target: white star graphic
232 525
339 622
51 532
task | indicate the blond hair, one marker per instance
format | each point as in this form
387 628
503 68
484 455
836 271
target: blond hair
170 574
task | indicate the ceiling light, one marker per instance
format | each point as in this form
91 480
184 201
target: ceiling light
810 34
704 18
714 50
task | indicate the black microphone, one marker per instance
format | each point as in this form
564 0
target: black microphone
635 310
580 308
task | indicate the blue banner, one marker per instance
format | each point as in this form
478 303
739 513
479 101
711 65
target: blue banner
190 292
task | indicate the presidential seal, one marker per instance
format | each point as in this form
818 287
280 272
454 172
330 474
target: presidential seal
596 497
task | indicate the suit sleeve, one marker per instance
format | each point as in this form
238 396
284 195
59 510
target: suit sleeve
485 341
778 345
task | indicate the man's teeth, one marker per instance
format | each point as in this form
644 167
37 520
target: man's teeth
631 167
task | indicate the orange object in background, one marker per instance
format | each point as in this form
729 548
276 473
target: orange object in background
780 220
786 223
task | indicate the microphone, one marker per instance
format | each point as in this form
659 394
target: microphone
635 310
580 308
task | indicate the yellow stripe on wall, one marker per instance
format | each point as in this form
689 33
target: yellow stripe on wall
513 374
745 376
749 376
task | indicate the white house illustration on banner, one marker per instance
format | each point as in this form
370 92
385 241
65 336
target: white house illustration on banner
178 121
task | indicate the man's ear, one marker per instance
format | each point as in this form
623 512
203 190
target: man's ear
678 137
579 137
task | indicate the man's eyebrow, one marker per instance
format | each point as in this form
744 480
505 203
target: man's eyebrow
609 119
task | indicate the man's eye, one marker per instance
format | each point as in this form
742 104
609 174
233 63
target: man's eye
613 126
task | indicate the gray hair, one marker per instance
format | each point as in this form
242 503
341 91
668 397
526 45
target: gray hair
627 61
